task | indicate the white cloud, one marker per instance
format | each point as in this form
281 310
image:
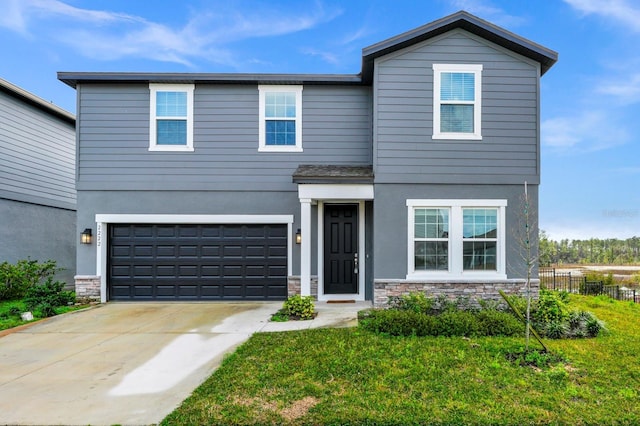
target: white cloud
329 57
621 11
625 88
112 35
485 10
583 132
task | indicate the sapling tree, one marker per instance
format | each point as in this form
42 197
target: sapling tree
525 234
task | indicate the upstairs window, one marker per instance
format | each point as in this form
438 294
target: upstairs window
457 101
280 124
171 121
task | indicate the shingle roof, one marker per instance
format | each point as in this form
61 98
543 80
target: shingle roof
329 173
464 20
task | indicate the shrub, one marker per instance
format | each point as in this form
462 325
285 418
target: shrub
299 306
399 323
458 323
498 323
48 296
599 276
594 327
451 323
555 329
15 280
550 307
416 302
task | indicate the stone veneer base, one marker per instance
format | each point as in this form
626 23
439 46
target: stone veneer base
87 287
293 286
487 290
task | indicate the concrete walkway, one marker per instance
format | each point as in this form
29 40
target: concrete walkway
130 363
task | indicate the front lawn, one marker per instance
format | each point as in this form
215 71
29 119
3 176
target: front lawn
10 311
351 376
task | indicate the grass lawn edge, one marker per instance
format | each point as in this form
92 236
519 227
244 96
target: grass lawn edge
22 327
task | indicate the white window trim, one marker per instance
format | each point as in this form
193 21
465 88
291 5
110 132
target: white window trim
154 88
456 270
476 69
262 142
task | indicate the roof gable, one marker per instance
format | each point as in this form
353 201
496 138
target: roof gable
463 20
466 21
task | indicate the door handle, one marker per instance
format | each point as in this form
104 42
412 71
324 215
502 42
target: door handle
355 263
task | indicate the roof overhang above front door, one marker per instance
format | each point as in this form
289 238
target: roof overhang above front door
334 182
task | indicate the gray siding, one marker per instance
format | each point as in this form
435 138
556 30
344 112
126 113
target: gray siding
37 155
39 233
403 89
114 139
390 227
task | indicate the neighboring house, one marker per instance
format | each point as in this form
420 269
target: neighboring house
37 181
407 176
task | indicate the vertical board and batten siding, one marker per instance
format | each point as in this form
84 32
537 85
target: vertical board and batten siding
37 155
114 139
403 112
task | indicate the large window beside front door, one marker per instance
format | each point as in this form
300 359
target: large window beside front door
456 238
431 239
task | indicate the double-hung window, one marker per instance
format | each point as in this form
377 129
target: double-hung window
431 239
171 120
280 127
456 239
457 101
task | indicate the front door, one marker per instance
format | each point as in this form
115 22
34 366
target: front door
340 248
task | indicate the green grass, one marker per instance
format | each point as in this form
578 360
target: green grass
10 313
350 376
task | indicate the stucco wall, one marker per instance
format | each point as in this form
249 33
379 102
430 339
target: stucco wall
39 233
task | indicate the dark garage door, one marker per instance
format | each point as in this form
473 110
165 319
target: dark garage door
197 262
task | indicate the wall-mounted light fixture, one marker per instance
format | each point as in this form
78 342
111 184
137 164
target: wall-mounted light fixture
85 236
298 236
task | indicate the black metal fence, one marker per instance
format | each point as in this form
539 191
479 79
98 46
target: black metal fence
565 281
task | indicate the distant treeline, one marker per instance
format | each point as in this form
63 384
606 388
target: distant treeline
594 250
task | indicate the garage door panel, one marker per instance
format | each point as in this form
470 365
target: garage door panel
143 290
188 251
141 231
166 251
143 271
197 262
210 251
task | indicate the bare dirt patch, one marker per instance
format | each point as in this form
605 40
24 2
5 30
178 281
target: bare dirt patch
299 408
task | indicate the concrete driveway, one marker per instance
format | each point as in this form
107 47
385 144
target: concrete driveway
126 363
129 363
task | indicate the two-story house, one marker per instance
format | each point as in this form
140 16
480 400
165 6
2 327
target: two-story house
37 181
406 176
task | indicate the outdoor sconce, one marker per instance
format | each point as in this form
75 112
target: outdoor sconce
298 236
85 237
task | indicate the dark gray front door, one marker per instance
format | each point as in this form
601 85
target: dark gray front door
340 248
197 262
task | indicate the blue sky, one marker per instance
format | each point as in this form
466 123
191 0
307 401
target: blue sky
590 98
